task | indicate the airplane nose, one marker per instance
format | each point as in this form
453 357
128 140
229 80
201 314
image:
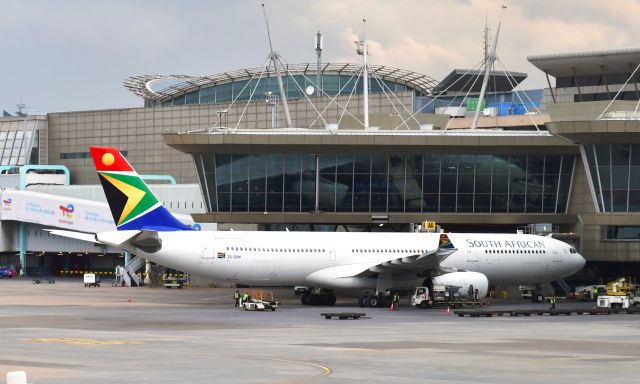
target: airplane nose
579 261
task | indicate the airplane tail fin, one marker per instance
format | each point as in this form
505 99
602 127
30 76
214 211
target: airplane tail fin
132 204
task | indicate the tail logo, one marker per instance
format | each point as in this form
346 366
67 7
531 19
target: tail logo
445 243
130 197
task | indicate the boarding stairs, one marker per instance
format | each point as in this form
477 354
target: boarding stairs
130 276
559 287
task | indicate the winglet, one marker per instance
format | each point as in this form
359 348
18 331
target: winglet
132 204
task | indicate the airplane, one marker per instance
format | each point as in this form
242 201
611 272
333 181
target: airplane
320 264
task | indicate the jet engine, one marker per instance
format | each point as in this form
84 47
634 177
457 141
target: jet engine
464 280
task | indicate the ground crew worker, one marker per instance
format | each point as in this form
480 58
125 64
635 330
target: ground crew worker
396 301
552 300
245 297
236 297
595 294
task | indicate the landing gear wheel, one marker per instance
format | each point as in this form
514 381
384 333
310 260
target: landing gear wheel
537 298
374 301
366 301
328 299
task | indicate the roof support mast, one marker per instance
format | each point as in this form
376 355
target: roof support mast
361 49
491 58
275 60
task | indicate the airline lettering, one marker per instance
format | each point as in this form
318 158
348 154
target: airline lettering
528 244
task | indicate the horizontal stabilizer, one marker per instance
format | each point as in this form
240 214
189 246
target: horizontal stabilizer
88 237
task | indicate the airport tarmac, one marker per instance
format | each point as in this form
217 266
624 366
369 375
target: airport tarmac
66 333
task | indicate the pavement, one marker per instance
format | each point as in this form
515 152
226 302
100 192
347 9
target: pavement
68 333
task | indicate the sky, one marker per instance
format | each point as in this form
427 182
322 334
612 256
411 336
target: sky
71 55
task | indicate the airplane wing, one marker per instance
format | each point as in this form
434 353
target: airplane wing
115 238
83 236
426 263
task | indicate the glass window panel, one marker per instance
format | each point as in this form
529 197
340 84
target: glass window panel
257 202
238 92
308 186
483 164
482 183
620 154
292 202
378 202
275 176
516 202
239 202
552 164
223 173
563 196
347 83
535 164
499 202
362 164
548 203
361 202
224 202
634 200
274 202
551 183
376 87
431 202
413 202
257 179
362 183
619 198
606 196
208 95
327 202
465 202
448 183
465 183
396 202
620 177
466 164
500 165
344 164
500 183
482 202
239 174
379 183
605 177
623 232
179 100
449 164
330 85
447 202
431 183
344 202
224 92
635 178
379 164
192 97
603 154
414 163
328 164
431 163
635 154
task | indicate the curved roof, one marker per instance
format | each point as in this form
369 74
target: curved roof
143 85
587 63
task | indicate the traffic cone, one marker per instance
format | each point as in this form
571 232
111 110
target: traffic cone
392 308
129 299
449 311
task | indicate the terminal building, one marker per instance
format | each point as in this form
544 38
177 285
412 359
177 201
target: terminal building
562 160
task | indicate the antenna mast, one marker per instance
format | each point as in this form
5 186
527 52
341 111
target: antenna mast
488 64
362 49
319 53
275 60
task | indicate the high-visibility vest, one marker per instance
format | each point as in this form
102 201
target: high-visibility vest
236 295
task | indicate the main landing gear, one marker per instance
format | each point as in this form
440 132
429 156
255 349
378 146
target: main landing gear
374 301
323 297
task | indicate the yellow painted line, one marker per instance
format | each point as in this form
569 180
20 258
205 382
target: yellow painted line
326 371
81 341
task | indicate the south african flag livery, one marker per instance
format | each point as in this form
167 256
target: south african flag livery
132 204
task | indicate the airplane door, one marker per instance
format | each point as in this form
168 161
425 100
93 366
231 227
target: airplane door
557 255
472 256
332 255
207 255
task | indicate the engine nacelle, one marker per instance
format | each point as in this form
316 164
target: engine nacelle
464 280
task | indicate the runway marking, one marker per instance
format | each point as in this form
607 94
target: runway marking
326 371
81 341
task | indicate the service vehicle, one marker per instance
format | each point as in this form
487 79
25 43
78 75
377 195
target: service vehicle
621 293
91 280
174 281
7 272
441 295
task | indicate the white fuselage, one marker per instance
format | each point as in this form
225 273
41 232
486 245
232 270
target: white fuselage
289 258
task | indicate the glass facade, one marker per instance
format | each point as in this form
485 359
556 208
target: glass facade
614 172
464 183
18 143
243 90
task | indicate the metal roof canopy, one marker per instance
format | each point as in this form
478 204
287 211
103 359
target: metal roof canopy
464 77
142 85
587 63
